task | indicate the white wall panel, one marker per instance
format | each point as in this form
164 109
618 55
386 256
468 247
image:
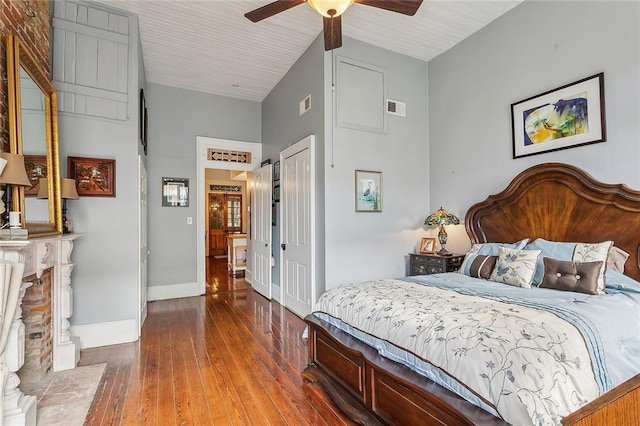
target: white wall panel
92 52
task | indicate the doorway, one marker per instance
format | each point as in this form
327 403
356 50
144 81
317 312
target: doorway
226 216
205 160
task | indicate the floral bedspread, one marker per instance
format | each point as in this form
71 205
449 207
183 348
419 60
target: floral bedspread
530 365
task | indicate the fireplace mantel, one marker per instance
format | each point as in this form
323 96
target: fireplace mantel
39 254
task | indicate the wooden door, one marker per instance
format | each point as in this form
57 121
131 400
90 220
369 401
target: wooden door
296 232
217 233
225 216
261 230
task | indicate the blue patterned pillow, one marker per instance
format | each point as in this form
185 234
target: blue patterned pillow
486 249
515 267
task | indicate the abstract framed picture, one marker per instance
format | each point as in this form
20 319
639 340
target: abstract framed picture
566 117
36 167
368 191
95 177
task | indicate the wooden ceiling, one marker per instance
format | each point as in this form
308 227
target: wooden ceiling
209 46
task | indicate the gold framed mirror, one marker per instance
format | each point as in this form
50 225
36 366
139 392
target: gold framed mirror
33 132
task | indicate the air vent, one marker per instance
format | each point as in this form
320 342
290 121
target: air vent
305 105
396 108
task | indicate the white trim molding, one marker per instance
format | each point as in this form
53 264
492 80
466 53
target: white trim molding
173 291
203 143
106 333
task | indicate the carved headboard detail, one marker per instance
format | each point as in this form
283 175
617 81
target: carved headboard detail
560 202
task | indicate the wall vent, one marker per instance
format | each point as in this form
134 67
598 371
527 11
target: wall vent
305 105
396 108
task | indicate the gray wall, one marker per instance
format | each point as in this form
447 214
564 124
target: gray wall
281 127
363 246
535 47
176 117
105 274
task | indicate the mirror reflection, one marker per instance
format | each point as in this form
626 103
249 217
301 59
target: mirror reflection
34 135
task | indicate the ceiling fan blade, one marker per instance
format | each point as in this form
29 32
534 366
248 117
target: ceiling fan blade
271 9
332 32
406 7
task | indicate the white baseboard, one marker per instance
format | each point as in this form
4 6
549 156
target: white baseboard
173 291
106 333
275 293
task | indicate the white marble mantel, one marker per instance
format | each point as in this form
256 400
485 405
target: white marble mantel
39 254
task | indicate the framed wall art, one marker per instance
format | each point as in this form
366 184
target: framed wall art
428 246
368 191
276 171
36 167
95 177
175 192
143 121
569 116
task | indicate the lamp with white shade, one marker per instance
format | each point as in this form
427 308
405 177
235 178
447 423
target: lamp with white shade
67 192
13 174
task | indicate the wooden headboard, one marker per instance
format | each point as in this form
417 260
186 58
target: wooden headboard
560 202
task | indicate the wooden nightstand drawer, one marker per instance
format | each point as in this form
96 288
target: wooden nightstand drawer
426 260
425 264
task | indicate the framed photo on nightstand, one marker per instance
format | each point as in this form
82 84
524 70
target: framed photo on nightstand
428 246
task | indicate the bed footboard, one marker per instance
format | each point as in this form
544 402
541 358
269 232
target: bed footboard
620 406
371 389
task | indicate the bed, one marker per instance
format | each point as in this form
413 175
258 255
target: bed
548 205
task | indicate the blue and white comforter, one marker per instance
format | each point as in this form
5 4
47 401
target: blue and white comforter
530 356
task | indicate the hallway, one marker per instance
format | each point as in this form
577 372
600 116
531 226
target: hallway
230 358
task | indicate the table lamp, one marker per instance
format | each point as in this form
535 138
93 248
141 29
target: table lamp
13 174
67 192
441 218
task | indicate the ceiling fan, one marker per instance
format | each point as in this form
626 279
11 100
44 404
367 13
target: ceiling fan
331 11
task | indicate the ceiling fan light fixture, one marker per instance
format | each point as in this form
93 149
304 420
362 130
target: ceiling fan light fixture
325 7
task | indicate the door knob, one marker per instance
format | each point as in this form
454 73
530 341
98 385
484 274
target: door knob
284 246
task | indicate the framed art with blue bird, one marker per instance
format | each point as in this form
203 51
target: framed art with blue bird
368 191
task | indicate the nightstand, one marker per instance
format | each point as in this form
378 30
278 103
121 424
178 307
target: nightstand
425 264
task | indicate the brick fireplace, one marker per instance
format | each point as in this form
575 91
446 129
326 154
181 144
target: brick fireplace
39 339
37 318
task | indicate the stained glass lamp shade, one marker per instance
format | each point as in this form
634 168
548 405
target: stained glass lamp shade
441 218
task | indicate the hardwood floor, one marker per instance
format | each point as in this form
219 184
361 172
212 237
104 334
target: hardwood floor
229 357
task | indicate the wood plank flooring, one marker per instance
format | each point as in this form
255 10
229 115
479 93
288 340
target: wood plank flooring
230 357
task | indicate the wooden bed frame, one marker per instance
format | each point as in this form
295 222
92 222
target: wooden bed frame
554 201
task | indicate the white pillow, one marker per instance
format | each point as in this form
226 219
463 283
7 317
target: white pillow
586 252
515 267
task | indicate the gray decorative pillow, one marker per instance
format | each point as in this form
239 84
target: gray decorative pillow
616 259
515 267
482 266
566 275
